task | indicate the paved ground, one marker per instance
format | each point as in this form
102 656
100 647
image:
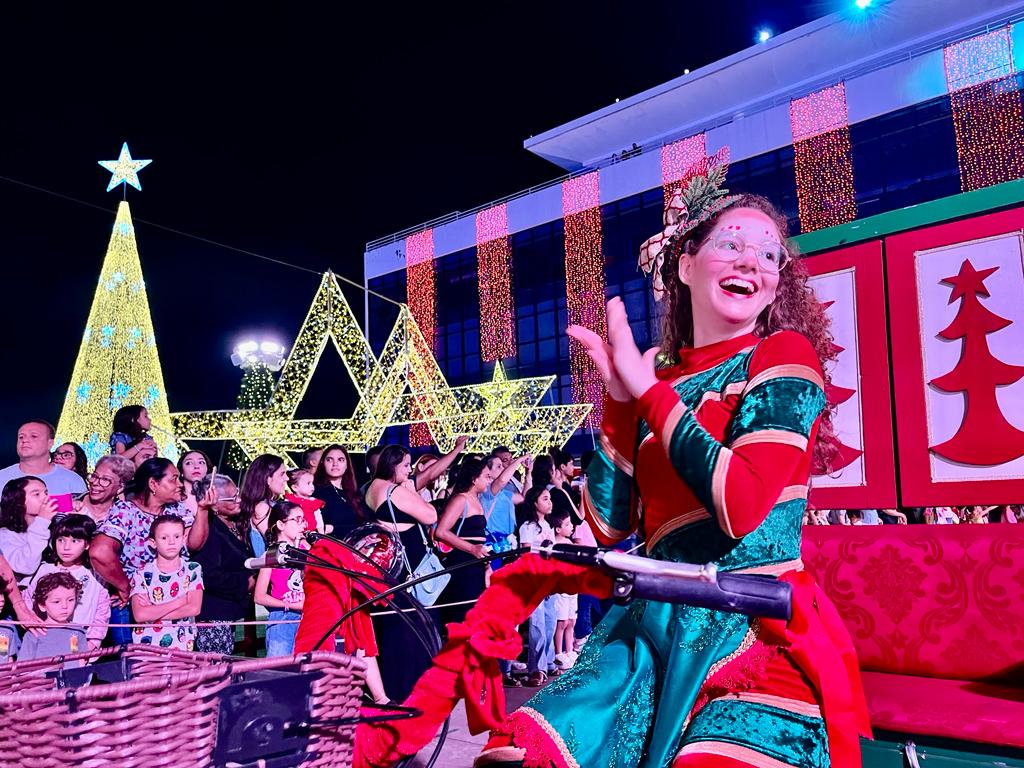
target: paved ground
461 746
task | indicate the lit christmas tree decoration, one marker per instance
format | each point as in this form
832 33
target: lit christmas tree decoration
822 159
259 361
124 170
677 158
987 113
421 290
117 362
584 284
494 283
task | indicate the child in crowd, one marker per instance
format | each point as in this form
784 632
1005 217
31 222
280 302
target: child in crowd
301 483
536 530
131 432
280 589
68 552
54 600
167 594
565 604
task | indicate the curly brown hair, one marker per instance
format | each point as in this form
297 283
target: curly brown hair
795 308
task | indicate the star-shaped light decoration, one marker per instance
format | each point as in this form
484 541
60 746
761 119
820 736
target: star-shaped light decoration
125 170
500 412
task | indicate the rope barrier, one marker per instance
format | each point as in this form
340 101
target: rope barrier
256 623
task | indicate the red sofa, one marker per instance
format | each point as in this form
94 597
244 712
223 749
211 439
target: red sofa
937 615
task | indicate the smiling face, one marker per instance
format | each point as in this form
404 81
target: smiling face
730 284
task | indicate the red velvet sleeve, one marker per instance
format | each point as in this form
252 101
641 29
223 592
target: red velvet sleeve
771 432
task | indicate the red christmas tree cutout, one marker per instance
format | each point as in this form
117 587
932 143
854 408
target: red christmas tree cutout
985 437
835 396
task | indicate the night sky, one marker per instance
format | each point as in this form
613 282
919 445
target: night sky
295 133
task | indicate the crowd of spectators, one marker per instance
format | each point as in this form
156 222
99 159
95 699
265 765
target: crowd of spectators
145 550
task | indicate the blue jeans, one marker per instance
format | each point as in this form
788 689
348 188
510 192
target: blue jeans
281 637
541 653
121 635
584 625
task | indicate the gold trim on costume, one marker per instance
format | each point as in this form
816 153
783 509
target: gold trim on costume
735 388
734 751
795 706
555 737
590 513
775 436
718 490
676 523
789 370
617 458
671 422
791 493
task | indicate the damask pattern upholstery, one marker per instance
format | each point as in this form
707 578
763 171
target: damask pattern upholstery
930 600
936 613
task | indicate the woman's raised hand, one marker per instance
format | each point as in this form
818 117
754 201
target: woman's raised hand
634 369
600 352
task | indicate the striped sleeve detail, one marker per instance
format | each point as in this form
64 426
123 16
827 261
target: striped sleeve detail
735 388
788 371
770 433
777 436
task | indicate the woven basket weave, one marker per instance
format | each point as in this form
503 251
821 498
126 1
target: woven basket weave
166 716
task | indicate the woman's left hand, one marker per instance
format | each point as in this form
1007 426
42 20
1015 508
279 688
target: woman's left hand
635 369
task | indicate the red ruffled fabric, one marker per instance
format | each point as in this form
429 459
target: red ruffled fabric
330 594
817 641
467 667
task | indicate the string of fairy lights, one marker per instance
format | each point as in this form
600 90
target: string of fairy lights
986 104
823 159
494 284
584 284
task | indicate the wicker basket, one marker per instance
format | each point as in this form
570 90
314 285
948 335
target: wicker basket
167 714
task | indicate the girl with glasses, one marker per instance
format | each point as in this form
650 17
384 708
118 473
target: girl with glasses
279 590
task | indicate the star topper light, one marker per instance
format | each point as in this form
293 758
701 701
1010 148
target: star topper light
125 170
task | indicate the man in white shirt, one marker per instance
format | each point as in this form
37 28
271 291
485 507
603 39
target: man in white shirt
35 441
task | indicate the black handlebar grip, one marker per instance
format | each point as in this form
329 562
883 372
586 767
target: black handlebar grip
757 596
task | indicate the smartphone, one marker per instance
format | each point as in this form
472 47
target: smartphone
64 502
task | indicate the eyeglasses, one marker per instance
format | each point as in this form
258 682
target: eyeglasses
222 499
295 519
100 480
64 455
771 256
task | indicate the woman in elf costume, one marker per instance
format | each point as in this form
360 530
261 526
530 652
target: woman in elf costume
708 454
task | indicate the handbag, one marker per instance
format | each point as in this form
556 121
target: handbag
428 591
